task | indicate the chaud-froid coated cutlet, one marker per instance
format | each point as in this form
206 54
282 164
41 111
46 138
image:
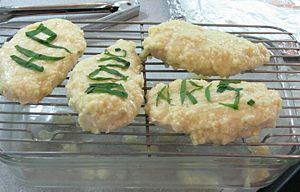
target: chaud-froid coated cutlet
106 89
213 112
203 51
38 58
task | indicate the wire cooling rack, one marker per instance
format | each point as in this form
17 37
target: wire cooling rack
50 127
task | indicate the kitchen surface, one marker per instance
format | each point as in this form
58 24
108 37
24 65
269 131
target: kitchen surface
160 11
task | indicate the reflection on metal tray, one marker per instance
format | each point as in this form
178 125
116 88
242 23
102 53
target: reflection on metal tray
43 144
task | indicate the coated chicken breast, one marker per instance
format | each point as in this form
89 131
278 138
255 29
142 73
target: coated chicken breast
203 51
213 112
38 58
115 102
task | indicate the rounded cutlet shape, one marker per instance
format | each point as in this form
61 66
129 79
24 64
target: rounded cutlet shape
101 111
23 85
211 122
203 51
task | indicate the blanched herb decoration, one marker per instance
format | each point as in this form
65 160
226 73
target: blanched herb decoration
225 85
106 52
51 36
192 98
108 87
207 93
235 104
195 84
184 93
105 68
124 64
251 102
163 94
27 64
37 56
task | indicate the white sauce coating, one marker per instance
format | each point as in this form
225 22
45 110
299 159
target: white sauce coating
203 51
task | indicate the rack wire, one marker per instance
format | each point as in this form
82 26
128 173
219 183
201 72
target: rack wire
49 128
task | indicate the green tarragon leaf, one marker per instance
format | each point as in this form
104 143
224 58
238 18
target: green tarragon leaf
27 64
224 85
105 68
51 36
207 93
235 104
182 91
106 52
109 88
36 56
192 98
251 102
189 94
195 84
163 96
125 64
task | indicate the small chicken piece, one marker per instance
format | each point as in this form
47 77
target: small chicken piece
103 111
212 122
203 51
18 83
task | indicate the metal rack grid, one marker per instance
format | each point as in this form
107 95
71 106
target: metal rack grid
280 74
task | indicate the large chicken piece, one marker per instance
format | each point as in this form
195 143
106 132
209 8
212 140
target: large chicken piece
203 51
213 112
106 89
38 58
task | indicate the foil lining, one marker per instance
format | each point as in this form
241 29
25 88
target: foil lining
280 13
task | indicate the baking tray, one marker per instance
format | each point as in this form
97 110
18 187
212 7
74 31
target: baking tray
44 146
